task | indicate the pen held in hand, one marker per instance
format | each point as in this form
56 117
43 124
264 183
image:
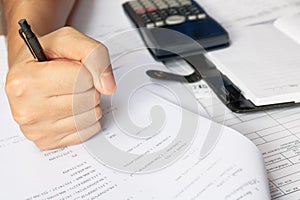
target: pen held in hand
31 41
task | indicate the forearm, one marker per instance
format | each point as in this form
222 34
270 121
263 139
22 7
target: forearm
44 17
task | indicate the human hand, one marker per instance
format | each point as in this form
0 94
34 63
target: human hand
56 103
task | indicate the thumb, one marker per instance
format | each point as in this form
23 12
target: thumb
68 43
98 63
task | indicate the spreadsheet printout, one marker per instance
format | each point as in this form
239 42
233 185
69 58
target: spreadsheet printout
276 133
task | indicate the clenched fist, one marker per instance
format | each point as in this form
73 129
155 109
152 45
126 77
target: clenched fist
56 103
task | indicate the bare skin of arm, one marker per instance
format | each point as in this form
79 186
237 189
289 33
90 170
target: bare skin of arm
43 16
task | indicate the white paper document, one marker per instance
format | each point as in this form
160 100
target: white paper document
232 13
276 134
71 173
3 59
232 169
289 25
263 62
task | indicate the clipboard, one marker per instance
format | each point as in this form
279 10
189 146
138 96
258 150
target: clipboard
226 91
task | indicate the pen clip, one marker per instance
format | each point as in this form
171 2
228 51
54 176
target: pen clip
26 42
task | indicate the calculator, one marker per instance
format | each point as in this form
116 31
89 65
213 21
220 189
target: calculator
182 16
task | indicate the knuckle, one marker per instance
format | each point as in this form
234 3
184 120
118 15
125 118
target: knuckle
66 141
24 117
67 30
90 132
44 143
31 135
98 112
43 147
96 98
15 85
98 127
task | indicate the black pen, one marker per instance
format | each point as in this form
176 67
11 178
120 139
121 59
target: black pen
31 41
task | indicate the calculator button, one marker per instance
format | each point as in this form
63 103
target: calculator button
174 4
156 2
151 8
147 5
182 11
170 1
134 3
163 14
159 23
195 12
192 8
164 6
187 13
154 16
192 17
150 25
201 16
140 10
145 18
172 11
175 19
145 2
185 2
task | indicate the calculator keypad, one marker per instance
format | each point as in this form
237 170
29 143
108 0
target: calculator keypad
157 13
